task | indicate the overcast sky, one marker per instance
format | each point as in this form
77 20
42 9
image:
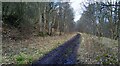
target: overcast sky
78 7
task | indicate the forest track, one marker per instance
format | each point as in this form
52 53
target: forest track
64 54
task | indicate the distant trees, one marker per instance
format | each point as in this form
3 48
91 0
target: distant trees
87 21
38 17
101 19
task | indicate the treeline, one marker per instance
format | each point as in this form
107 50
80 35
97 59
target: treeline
38 18
101 19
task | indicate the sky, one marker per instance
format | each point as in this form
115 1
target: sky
78 7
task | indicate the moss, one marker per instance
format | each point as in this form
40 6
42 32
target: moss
107 59
23 58
42 34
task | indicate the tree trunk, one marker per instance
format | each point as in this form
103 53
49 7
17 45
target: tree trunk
44 20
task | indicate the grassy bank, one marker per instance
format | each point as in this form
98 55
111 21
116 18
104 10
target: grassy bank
97 50
26 51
